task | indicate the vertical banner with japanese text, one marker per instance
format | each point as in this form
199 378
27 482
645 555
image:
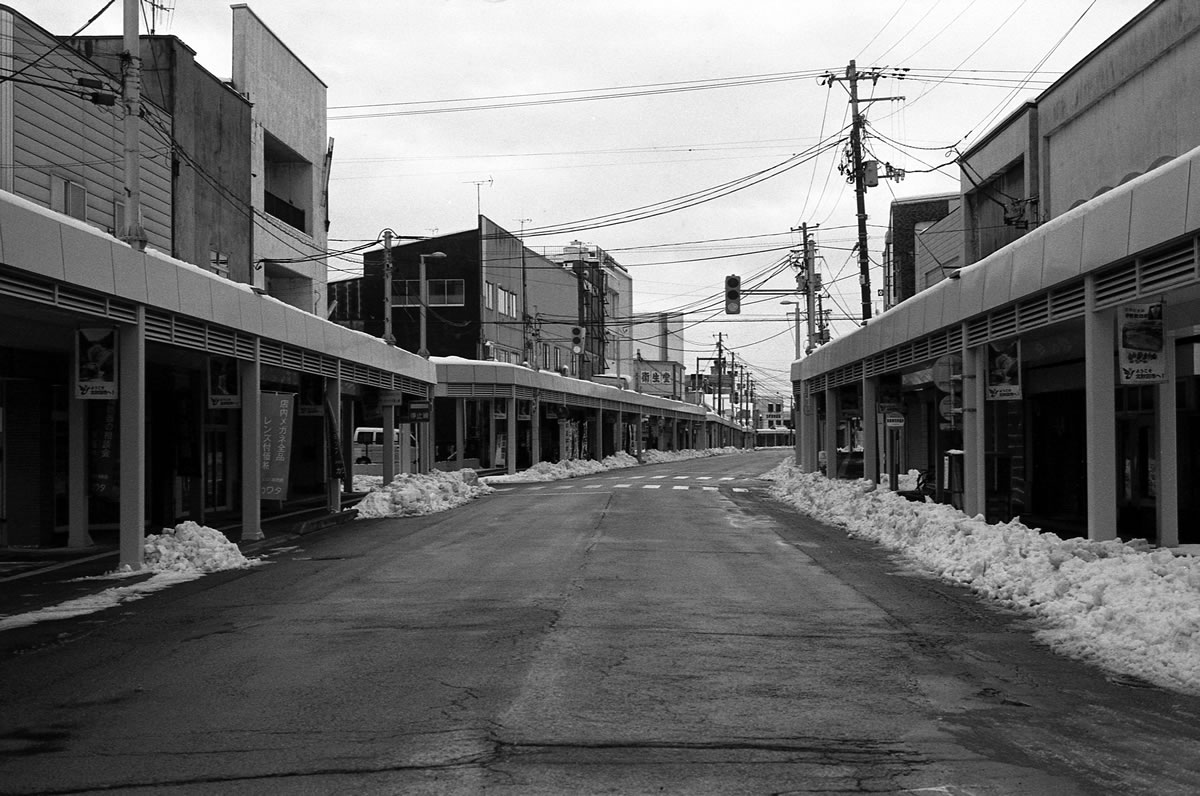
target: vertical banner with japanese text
277 416
1141 358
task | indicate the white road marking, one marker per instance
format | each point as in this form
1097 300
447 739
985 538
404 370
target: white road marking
651 486
622 486
681 487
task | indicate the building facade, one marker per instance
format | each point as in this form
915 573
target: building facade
1055 378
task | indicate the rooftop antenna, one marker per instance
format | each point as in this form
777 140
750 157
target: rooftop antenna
478 183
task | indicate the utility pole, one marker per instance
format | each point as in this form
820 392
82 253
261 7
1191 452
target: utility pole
720 376
858 175
131 94
388 336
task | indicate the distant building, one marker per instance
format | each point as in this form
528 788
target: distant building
910 216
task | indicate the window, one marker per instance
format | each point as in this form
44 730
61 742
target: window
489 295
442 293
68 198
218 263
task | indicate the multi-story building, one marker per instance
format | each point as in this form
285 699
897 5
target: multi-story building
1054 378
906 245
141 383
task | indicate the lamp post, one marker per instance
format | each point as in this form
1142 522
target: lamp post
423 350
799 347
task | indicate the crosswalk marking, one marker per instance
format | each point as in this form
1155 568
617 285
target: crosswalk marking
622 486
727 478
681 487
629 484
682 477
658 476
651 486
593 486
704 478
710 489
740 489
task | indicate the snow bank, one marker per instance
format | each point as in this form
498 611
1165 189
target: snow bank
1124 606
190 547
410 495
573 468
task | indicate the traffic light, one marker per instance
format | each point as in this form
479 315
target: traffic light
733 295
577 335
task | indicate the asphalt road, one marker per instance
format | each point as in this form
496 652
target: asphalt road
667 629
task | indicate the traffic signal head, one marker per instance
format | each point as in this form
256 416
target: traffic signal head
577 335
733 295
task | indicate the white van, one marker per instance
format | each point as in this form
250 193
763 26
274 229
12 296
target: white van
368 445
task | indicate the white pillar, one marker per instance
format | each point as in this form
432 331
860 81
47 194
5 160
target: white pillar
1168 454
389 442
249 376
460 431
510 430
1101 443
832 410
870 418
333 403
77 483
974 430
535 430
131 393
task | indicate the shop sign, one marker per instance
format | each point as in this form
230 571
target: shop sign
96 363
1004 371
276 444
1141 356
893 419
223 384
415 412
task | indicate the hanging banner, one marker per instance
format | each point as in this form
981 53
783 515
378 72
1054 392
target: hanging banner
337 462
223 383
96 363
1004 371
1140 355
276 451
312 396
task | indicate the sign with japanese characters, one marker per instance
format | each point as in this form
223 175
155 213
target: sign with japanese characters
1140 353
276 444
658 377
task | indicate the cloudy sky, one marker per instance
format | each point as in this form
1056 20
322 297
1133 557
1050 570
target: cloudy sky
704 121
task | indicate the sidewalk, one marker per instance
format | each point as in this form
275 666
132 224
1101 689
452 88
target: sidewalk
33 578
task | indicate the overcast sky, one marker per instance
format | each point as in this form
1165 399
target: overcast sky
554 162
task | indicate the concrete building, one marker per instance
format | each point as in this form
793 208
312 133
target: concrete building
1056 377
140 390
909 218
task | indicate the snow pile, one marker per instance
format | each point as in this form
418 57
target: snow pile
573 468
658 457
1124 606
409 494
190 547
567 468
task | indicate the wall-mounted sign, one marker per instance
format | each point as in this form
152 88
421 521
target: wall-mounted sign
223 385
1141 357
1004 371
276 441
96 363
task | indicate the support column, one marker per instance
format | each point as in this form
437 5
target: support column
389 442
250 378
1168 453
425 435
870 410
406 447
832 410
597 436
333 403
460 431
974 430
510 433
131 413
1101 444
637 434
674 434
619 433
77 483
535 430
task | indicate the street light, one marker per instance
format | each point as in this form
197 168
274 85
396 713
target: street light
423 350
798 345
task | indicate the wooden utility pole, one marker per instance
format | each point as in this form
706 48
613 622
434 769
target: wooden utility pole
131 95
